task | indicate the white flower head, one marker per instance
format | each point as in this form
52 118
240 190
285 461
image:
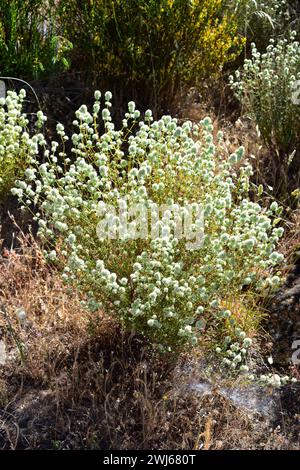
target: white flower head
21 314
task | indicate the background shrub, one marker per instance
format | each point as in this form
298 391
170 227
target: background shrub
261 20
30 40
156 46
267 88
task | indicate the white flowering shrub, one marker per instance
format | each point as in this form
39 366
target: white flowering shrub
16 145
157 286
268 87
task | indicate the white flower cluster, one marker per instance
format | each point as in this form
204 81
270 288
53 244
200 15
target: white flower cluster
156 286
275 380
234 351
269 88
234 355
17 147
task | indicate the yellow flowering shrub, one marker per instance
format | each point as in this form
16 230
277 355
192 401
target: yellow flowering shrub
157 45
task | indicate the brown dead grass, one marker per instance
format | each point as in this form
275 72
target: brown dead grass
290 244
55 323
83 384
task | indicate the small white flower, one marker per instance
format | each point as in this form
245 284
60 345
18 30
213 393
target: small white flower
131 106
108 96
21 314
270 360
3 355
247 342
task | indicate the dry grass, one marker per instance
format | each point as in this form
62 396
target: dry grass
290 245
84 385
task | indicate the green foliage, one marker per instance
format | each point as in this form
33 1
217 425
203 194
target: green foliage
269 90
30 40
261 20
156 45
